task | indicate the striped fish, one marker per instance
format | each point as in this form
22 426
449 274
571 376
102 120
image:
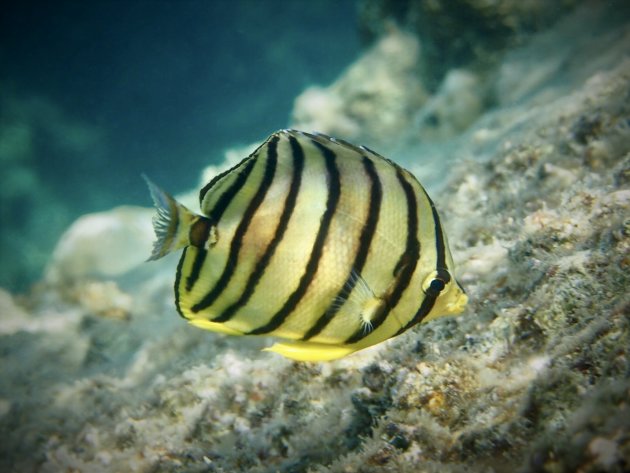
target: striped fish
328 246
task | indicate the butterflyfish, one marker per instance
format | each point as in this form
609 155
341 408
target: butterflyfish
327 246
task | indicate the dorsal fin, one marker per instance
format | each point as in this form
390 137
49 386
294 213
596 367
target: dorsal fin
338 145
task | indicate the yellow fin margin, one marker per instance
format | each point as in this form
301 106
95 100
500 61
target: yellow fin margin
299 351
213 326
304 351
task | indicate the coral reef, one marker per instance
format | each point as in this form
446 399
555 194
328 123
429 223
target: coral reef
102 244
458 33
534 376
373 101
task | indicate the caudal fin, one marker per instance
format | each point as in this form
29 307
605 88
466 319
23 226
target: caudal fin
171 223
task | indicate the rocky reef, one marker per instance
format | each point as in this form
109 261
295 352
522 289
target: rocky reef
529 164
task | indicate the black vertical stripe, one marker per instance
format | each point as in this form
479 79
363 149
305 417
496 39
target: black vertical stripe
192 278
239 234
217 211
334 193
178 277
406 265
431 296
283 223
205 189
198 236
234 169
365 240
224 200
440 246
425 307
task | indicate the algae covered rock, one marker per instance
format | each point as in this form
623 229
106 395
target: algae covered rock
104 244
374 100
458 33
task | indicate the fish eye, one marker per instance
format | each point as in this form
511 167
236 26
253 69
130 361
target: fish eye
437 285
436 282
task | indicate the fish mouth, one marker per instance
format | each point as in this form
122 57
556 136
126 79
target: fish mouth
458 305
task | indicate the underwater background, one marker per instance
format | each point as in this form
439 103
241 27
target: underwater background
515 116
92 94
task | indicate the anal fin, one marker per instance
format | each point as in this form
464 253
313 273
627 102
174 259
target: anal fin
307 351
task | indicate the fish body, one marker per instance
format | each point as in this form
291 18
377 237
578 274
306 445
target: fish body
326 245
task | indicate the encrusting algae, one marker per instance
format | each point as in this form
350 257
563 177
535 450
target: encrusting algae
312 240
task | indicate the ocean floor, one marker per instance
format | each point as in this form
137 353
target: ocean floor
528 161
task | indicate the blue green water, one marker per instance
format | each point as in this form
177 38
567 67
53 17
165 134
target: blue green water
92 94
